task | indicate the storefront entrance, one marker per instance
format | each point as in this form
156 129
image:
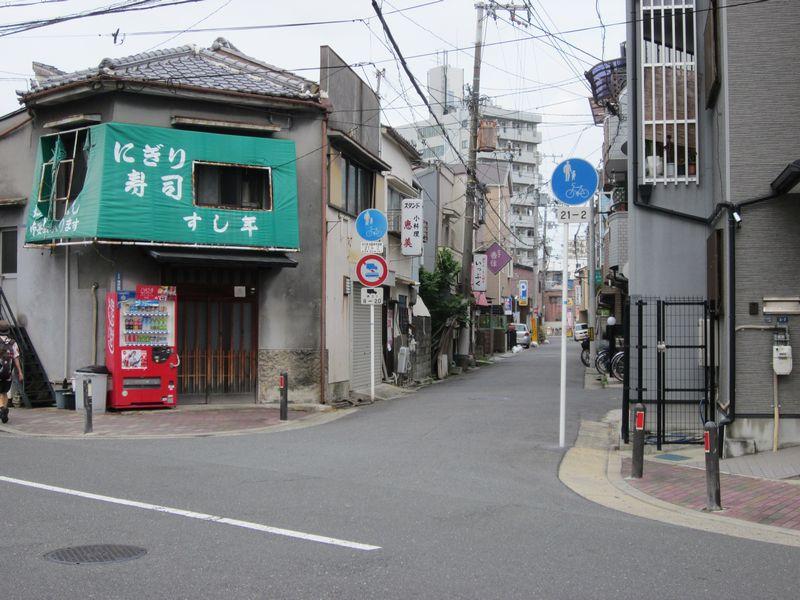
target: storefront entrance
217 334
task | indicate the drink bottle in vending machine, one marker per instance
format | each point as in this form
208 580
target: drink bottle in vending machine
141 354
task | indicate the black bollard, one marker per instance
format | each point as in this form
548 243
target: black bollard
284 387
713 494
87 405
637 461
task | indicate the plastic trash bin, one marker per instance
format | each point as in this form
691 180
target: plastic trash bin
97 376
60 400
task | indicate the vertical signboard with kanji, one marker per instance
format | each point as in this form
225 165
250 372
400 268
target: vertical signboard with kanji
411 227
479 273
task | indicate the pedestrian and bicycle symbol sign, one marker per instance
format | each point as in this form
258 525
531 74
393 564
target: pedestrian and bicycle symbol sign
574 181
371 270
371 224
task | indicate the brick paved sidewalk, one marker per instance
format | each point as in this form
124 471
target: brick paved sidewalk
181 421
747 498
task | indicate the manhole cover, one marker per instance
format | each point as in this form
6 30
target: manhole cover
96 553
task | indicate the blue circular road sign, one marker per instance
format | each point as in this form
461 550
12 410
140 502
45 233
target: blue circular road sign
371 224
574 181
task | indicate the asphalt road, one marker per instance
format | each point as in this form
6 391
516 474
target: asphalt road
456 484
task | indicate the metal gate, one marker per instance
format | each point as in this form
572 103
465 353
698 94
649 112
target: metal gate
671 367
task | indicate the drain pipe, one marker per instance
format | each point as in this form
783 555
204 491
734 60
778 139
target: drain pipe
731 412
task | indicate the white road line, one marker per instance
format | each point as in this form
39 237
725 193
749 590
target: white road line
193 515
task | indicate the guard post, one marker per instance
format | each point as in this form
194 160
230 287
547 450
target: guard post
713 495
87 405
637 461
283 384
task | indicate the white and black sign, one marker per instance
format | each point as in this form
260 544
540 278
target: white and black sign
571 214
372 296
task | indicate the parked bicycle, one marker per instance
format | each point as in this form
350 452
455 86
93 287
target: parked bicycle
611 365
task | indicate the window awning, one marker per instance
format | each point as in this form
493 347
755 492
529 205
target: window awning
357 151
256 260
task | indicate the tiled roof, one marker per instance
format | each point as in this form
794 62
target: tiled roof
221 67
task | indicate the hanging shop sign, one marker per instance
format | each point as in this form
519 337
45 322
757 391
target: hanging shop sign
497 258
412 227
523 292
479 273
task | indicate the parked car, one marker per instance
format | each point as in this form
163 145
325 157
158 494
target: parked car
580 332
523 335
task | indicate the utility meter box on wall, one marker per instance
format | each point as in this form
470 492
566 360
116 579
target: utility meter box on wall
782 359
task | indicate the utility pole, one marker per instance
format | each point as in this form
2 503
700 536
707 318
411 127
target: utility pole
465 339
472 158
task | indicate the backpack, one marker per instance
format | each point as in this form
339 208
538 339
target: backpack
6 357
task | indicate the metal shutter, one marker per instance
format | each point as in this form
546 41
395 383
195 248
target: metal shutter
359 379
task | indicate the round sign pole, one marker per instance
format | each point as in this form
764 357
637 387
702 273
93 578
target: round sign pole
372 352
562 425
574 181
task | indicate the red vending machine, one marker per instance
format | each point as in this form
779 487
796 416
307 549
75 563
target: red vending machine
141 356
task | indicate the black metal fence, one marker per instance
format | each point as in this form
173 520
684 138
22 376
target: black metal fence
671 353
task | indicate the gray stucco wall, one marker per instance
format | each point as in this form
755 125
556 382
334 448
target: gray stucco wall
290 298
764 100
767 264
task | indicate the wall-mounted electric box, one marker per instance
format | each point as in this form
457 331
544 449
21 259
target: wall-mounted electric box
782 359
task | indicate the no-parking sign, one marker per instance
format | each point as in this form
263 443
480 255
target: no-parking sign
371 270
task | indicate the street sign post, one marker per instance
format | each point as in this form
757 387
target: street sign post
372 296
574 182
568 214
371 224
371 247
371 271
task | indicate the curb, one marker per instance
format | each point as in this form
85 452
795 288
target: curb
592 470
322 417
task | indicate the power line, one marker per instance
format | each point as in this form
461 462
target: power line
414 82
122 6
248 27
356 20
206 18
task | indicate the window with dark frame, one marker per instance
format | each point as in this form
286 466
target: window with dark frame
237 187
8 251
356 187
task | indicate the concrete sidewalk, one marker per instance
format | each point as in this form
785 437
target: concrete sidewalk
673 487
182 421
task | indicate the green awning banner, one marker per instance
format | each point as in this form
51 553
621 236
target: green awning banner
139 186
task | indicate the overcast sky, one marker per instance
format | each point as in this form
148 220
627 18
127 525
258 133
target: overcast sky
519 73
